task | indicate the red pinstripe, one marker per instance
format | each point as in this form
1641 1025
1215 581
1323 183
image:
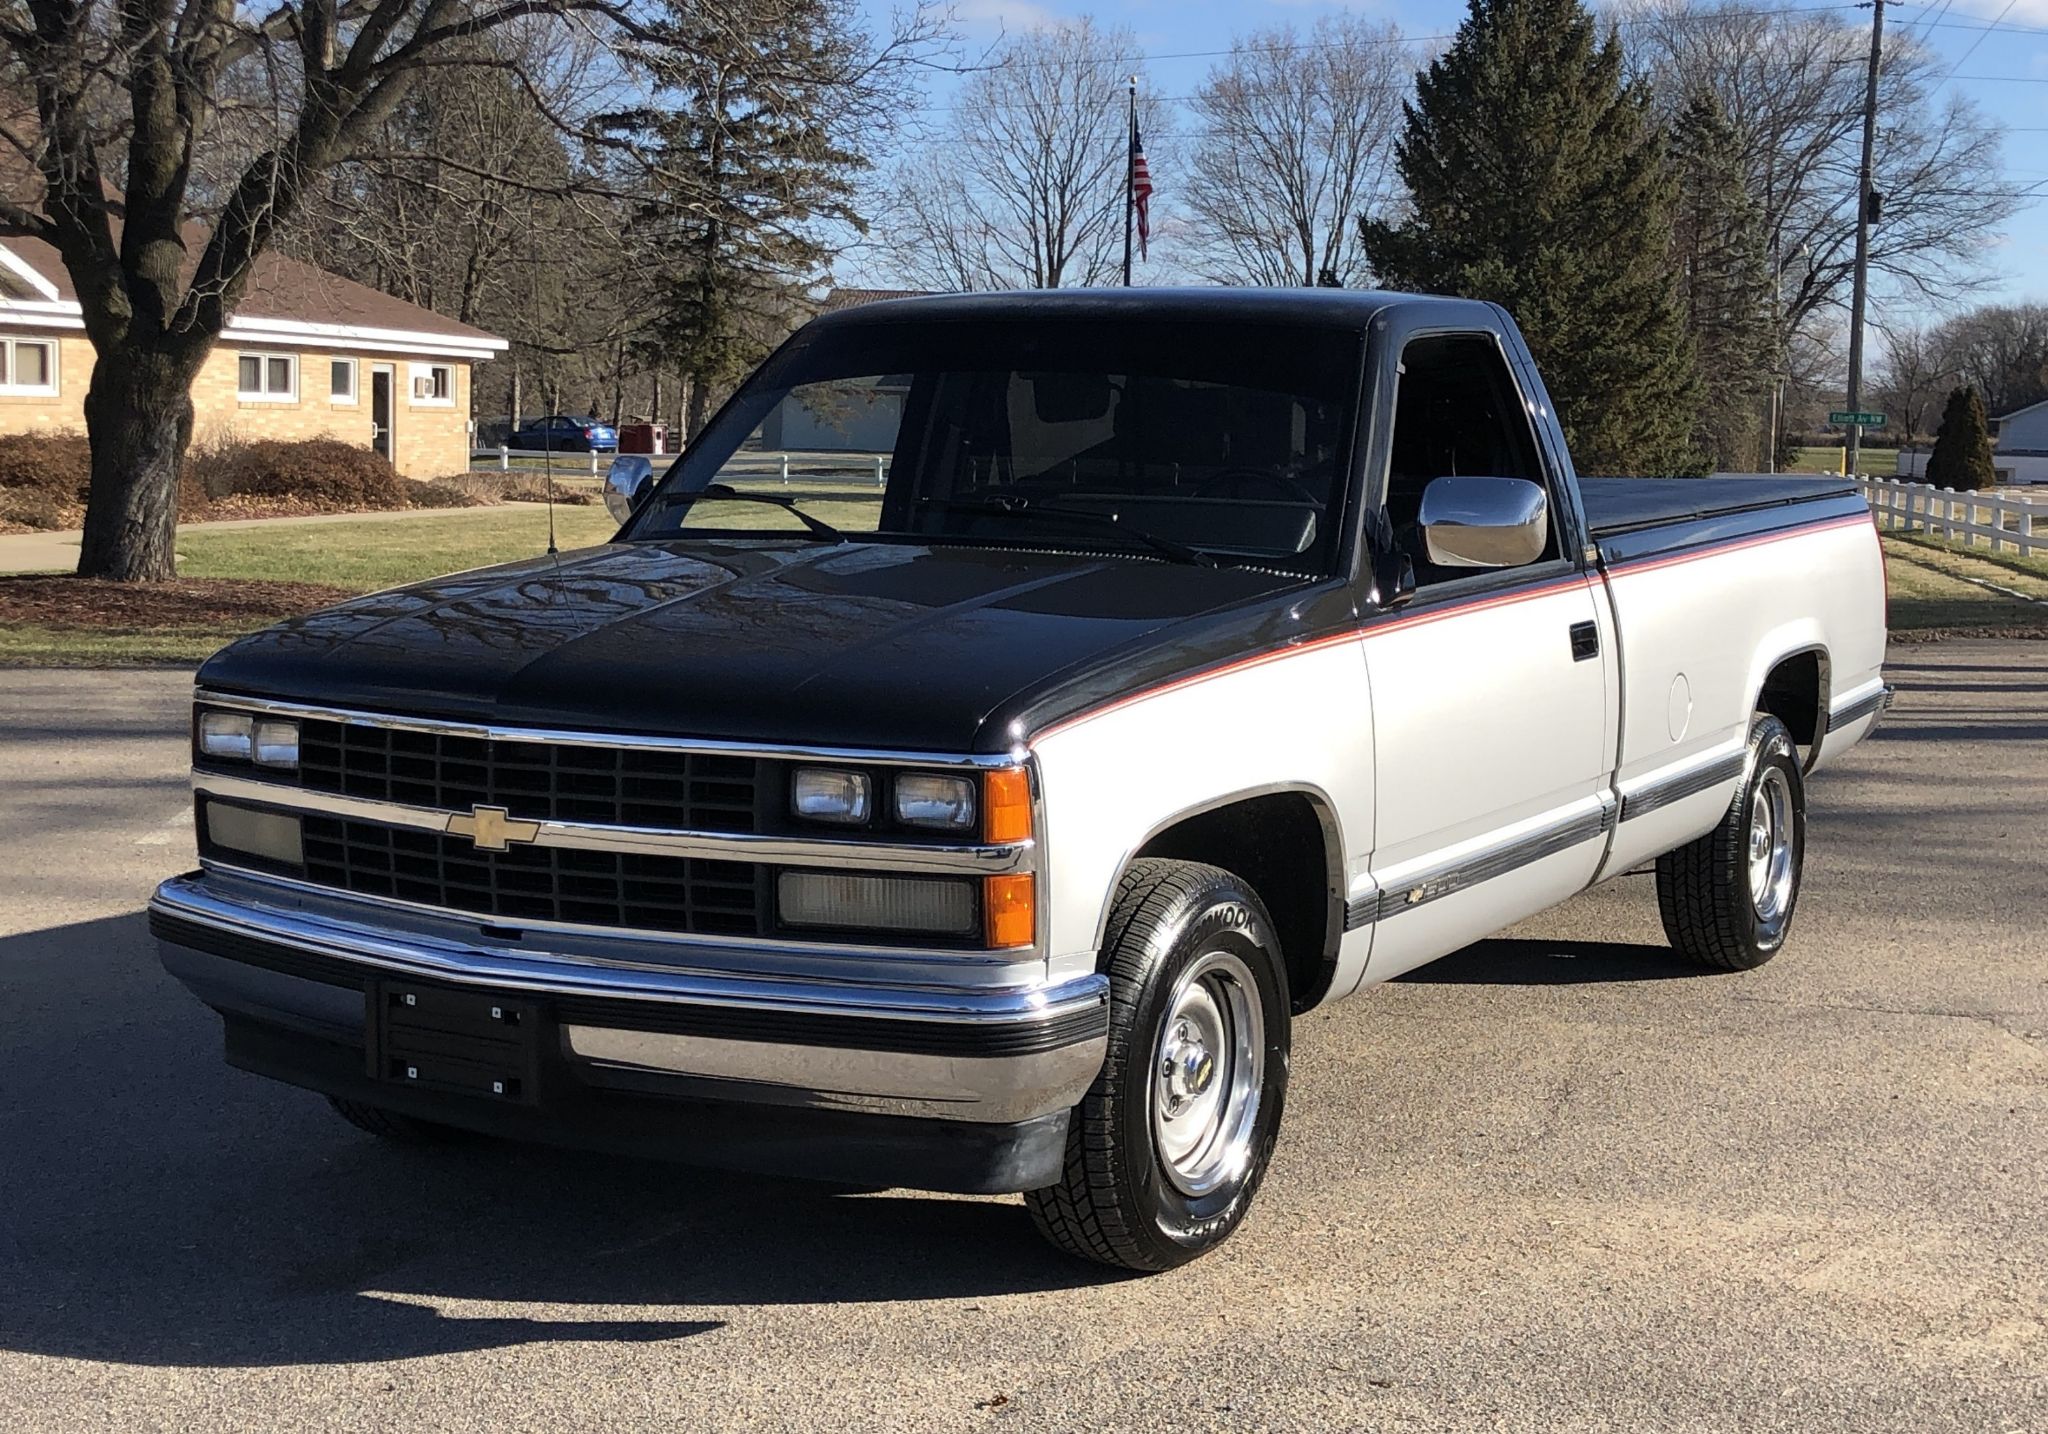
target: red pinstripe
1647 565
1438 614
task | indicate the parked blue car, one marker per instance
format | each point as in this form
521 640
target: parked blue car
563 434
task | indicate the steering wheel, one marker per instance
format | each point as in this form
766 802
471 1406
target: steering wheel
1231 483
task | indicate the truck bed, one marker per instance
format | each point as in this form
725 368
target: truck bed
1615 506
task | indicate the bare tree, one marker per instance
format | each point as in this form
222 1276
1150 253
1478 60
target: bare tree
1913 376
1791 85
1296 144
1023 187
150 115
2002 351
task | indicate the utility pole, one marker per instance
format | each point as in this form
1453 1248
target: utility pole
1863 193
1777 314
1130 176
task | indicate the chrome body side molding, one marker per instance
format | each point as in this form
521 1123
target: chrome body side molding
1662 791
1865 704
1434 883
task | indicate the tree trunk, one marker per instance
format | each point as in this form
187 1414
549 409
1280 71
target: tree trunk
699 408
138 419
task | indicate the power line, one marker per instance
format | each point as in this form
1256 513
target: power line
1978 41
1706 16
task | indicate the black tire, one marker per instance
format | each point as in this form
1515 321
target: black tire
1117 1202
1704 891
390 1125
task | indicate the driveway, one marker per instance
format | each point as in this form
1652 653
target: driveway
1557 1181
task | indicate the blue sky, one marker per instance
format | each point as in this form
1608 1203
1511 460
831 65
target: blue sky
2004 69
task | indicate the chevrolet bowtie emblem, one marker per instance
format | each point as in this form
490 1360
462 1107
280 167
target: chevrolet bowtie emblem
492 828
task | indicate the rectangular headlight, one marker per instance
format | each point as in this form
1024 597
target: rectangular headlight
941 906
270 835
277 743
229 736
827 794
925 799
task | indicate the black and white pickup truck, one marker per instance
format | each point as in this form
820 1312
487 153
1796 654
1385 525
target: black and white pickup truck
968 758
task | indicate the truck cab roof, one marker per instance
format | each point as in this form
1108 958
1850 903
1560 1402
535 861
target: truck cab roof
1348 309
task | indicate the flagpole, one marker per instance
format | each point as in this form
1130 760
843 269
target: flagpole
1130 176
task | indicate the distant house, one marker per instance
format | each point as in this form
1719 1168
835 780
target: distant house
307 354
828 421
2020 443
854 298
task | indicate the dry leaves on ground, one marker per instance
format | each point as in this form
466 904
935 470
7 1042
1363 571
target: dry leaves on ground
90 603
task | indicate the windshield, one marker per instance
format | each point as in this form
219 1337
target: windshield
1203 441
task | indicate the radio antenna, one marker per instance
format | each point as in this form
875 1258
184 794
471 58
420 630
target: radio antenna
549 463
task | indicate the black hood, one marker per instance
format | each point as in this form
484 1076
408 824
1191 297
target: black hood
875 645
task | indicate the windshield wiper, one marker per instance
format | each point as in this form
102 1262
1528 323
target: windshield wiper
1083 517
818 526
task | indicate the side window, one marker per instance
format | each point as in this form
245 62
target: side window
1457 414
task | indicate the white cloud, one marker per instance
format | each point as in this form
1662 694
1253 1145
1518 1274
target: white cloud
1008 16
2024 12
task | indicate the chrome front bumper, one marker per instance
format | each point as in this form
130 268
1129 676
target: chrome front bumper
957 1053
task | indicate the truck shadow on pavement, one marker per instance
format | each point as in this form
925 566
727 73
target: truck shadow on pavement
158 1208
1516 962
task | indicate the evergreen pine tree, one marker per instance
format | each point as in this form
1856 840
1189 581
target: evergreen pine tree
747 166
1537 180
1962 446
1724 277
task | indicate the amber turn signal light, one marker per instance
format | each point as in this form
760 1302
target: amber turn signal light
1009 909
1006 805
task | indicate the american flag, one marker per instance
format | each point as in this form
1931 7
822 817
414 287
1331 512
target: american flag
1141 188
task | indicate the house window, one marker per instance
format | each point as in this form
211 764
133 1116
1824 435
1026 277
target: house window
267 378
28 366
342 383
433 383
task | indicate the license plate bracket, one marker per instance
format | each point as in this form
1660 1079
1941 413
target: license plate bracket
463 1042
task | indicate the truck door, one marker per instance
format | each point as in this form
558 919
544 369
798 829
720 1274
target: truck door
1490 689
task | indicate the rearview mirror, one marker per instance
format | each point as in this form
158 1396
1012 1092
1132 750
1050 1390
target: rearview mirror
1484 522
1070 397
626 484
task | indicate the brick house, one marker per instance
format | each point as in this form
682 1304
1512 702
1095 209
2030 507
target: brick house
308 354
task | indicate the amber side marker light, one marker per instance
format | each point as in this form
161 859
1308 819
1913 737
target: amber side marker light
1009 908
1006 805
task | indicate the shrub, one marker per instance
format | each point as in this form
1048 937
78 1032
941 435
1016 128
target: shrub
535 490
1962 447
30 508
449 493
313 474
54 462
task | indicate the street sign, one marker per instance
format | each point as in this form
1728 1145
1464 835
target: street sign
1860 420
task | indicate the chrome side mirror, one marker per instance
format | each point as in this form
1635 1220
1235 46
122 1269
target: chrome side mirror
1484 522
626 484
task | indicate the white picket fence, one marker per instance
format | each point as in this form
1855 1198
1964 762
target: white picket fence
791 468
503 455
2017 525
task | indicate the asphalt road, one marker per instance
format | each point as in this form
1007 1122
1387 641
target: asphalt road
1557 1181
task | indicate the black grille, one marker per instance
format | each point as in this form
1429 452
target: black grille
533 883
538 781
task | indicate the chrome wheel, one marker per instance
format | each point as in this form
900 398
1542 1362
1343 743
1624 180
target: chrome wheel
1771 854
1208 1069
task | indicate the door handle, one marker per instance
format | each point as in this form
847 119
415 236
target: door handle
1585 641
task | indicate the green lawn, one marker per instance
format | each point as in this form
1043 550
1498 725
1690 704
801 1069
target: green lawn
381 554
1929 591
29 645
1875 462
